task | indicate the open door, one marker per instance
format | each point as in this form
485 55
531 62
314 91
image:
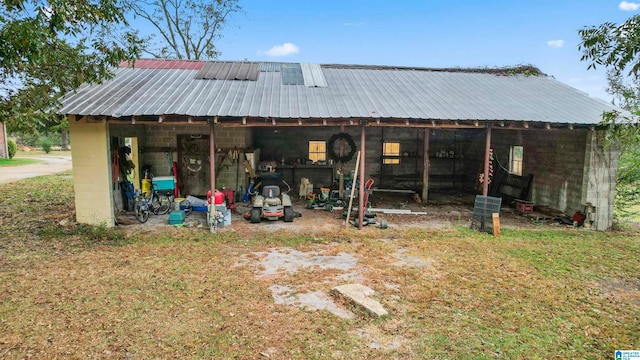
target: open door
193 164
134 176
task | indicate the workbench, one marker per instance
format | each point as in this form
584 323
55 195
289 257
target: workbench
318 175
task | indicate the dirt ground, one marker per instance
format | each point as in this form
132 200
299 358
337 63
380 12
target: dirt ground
49 165
443 211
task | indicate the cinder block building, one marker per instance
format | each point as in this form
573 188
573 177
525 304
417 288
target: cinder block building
417 129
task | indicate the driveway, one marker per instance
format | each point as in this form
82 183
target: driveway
49 165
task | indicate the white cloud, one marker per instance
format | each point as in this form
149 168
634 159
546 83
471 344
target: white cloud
555 43
629 6
282 50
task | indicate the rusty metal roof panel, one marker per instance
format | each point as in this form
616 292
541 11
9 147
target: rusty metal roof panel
350 92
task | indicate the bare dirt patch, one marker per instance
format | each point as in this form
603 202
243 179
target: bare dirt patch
623 289
444 211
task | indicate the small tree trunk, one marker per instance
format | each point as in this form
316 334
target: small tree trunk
65 140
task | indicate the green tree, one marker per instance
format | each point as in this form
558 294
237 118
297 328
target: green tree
185 29
617 48
50 47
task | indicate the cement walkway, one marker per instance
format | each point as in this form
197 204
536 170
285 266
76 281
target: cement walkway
49 165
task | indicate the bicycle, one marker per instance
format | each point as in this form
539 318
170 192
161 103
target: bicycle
158 204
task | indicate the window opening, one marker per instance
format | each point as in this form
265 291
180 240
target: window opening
391 153
516 156
317 151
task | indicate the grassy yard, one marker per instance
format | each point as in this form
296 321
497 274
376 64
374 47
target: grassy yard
40 153
17 162
77 291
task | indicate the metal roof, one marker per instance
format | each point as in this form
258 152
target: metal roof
334 91
228 70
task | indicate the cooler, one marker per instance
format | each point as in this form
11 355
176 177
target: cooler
164 183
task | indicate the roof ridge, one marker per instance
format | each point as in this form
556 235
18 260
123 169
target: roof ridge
522 69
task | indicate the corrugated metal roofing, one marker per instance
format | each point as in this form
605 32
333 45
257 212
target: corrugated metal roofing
313 75
292 74
165 64
349 93
269 66
228 70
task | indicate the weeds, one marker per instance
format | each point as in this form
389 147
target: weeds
73 290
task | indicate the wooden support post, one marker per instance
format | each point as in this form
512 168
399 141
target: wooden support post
487 160
353 189
361 203
341 167
496 224
212 156
425 165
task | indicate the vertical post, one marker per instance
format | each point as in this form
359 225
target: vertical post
361 203
341 181
212 156
487 159
425 165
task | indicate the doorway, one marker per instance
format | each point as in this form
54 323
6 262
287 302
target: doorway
193 164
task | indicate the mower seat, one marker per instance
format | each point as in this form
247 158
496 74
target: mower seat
271 191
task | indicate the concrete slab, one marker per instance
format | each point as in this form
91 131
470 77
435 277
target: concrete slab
360 296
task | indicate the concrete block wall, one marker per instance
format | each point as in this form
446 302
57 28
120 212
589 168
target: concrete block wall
599 180
232 173
447 170
556 158
292 144
92 176
154 137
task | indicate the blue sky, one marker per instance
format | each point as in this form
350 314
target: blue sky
425 33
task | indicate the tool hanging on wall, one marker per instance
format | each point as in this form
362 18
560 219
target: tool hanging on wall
247 165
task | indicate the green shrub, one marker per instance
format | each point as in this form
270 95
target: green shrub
46 143
12 148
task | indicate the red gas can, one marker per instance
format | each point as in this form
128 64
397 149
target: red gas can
218 198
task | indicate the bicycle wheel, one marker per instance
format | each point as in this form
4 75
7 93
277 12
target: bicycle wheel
161 204
141 212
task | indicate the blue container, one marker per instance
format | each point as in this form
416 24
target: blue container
164 183
176 217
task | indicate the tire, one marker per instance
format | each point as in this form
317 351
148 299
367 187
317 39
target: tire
142 214
256 215
161 204
288 214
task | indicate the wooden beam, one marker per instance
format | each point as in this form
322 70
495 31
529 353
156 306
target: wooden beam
487 160
425 165
212 158
361 204
341 167
496 224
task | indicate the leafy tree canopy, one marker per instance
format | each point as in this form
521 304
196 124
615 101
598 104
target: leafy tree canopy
50 47
613 46
617 48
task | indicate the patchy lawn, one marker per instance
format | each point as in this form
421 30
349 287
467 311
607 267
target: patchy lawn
18 161
70 290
